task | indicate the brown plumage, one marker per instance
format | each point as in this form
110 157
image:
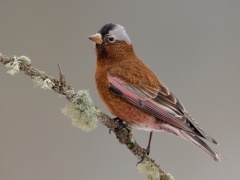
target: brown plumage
117 62
133 93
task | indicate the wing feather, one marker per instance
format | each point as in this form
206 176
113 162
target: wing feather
159 102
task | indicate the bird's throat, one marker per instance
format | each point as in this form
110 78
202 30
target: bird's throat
117 51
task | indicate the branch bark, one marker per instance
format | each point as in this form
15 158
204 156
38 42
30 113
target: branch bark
148 167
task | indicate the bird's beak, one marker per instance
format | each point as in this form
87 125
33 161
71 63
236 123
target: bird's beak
97 38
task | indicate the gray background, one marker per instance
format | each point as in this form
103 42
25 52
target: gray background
193 46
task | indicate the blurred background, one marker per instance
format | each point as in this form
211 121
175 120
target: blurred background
192 45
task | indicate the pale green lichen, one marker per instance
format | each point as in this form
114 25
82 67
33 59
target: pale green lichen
25 59
149 169
83 113
132 140
13 66
171 177
70 93
45 84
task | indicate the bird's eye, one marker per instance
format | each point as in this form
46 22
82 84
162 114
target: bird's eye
111 39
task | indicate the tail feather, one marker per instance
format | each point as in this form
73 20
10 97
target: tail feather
201 144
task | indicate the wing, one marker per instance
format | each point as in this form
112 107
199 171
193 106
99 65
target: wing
150 95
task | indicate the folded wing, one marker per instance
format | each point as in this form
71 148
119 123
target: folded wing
159 102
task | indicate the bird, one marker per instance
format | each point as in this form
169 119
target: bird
135 95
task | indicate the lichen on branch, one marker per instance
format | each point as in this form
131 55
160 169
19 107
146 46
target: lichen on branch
81 110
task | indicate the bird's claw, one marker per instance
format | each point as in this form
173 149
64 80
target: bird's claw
145 154
120 124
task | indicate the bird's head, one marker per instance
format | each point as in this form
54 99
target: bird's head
112 42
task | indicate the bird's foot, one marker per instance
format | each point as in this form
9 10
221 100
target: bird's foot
120 125
145 154
147 150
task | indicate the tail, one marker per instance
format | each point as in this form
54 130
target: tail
201 144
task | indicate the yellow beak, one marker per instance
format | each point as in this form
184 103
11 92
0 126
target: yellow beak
97 38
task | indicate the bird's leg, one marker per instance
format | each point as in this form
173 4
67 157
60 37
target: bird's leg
147 151
149 143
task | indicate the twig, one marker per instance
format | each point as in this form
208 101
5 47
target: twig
62 79
80 106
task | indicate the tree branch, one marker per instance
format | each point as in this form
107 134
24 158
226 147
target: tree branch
83 113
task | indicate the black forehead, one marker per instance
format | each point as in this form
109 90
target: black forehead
106 28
